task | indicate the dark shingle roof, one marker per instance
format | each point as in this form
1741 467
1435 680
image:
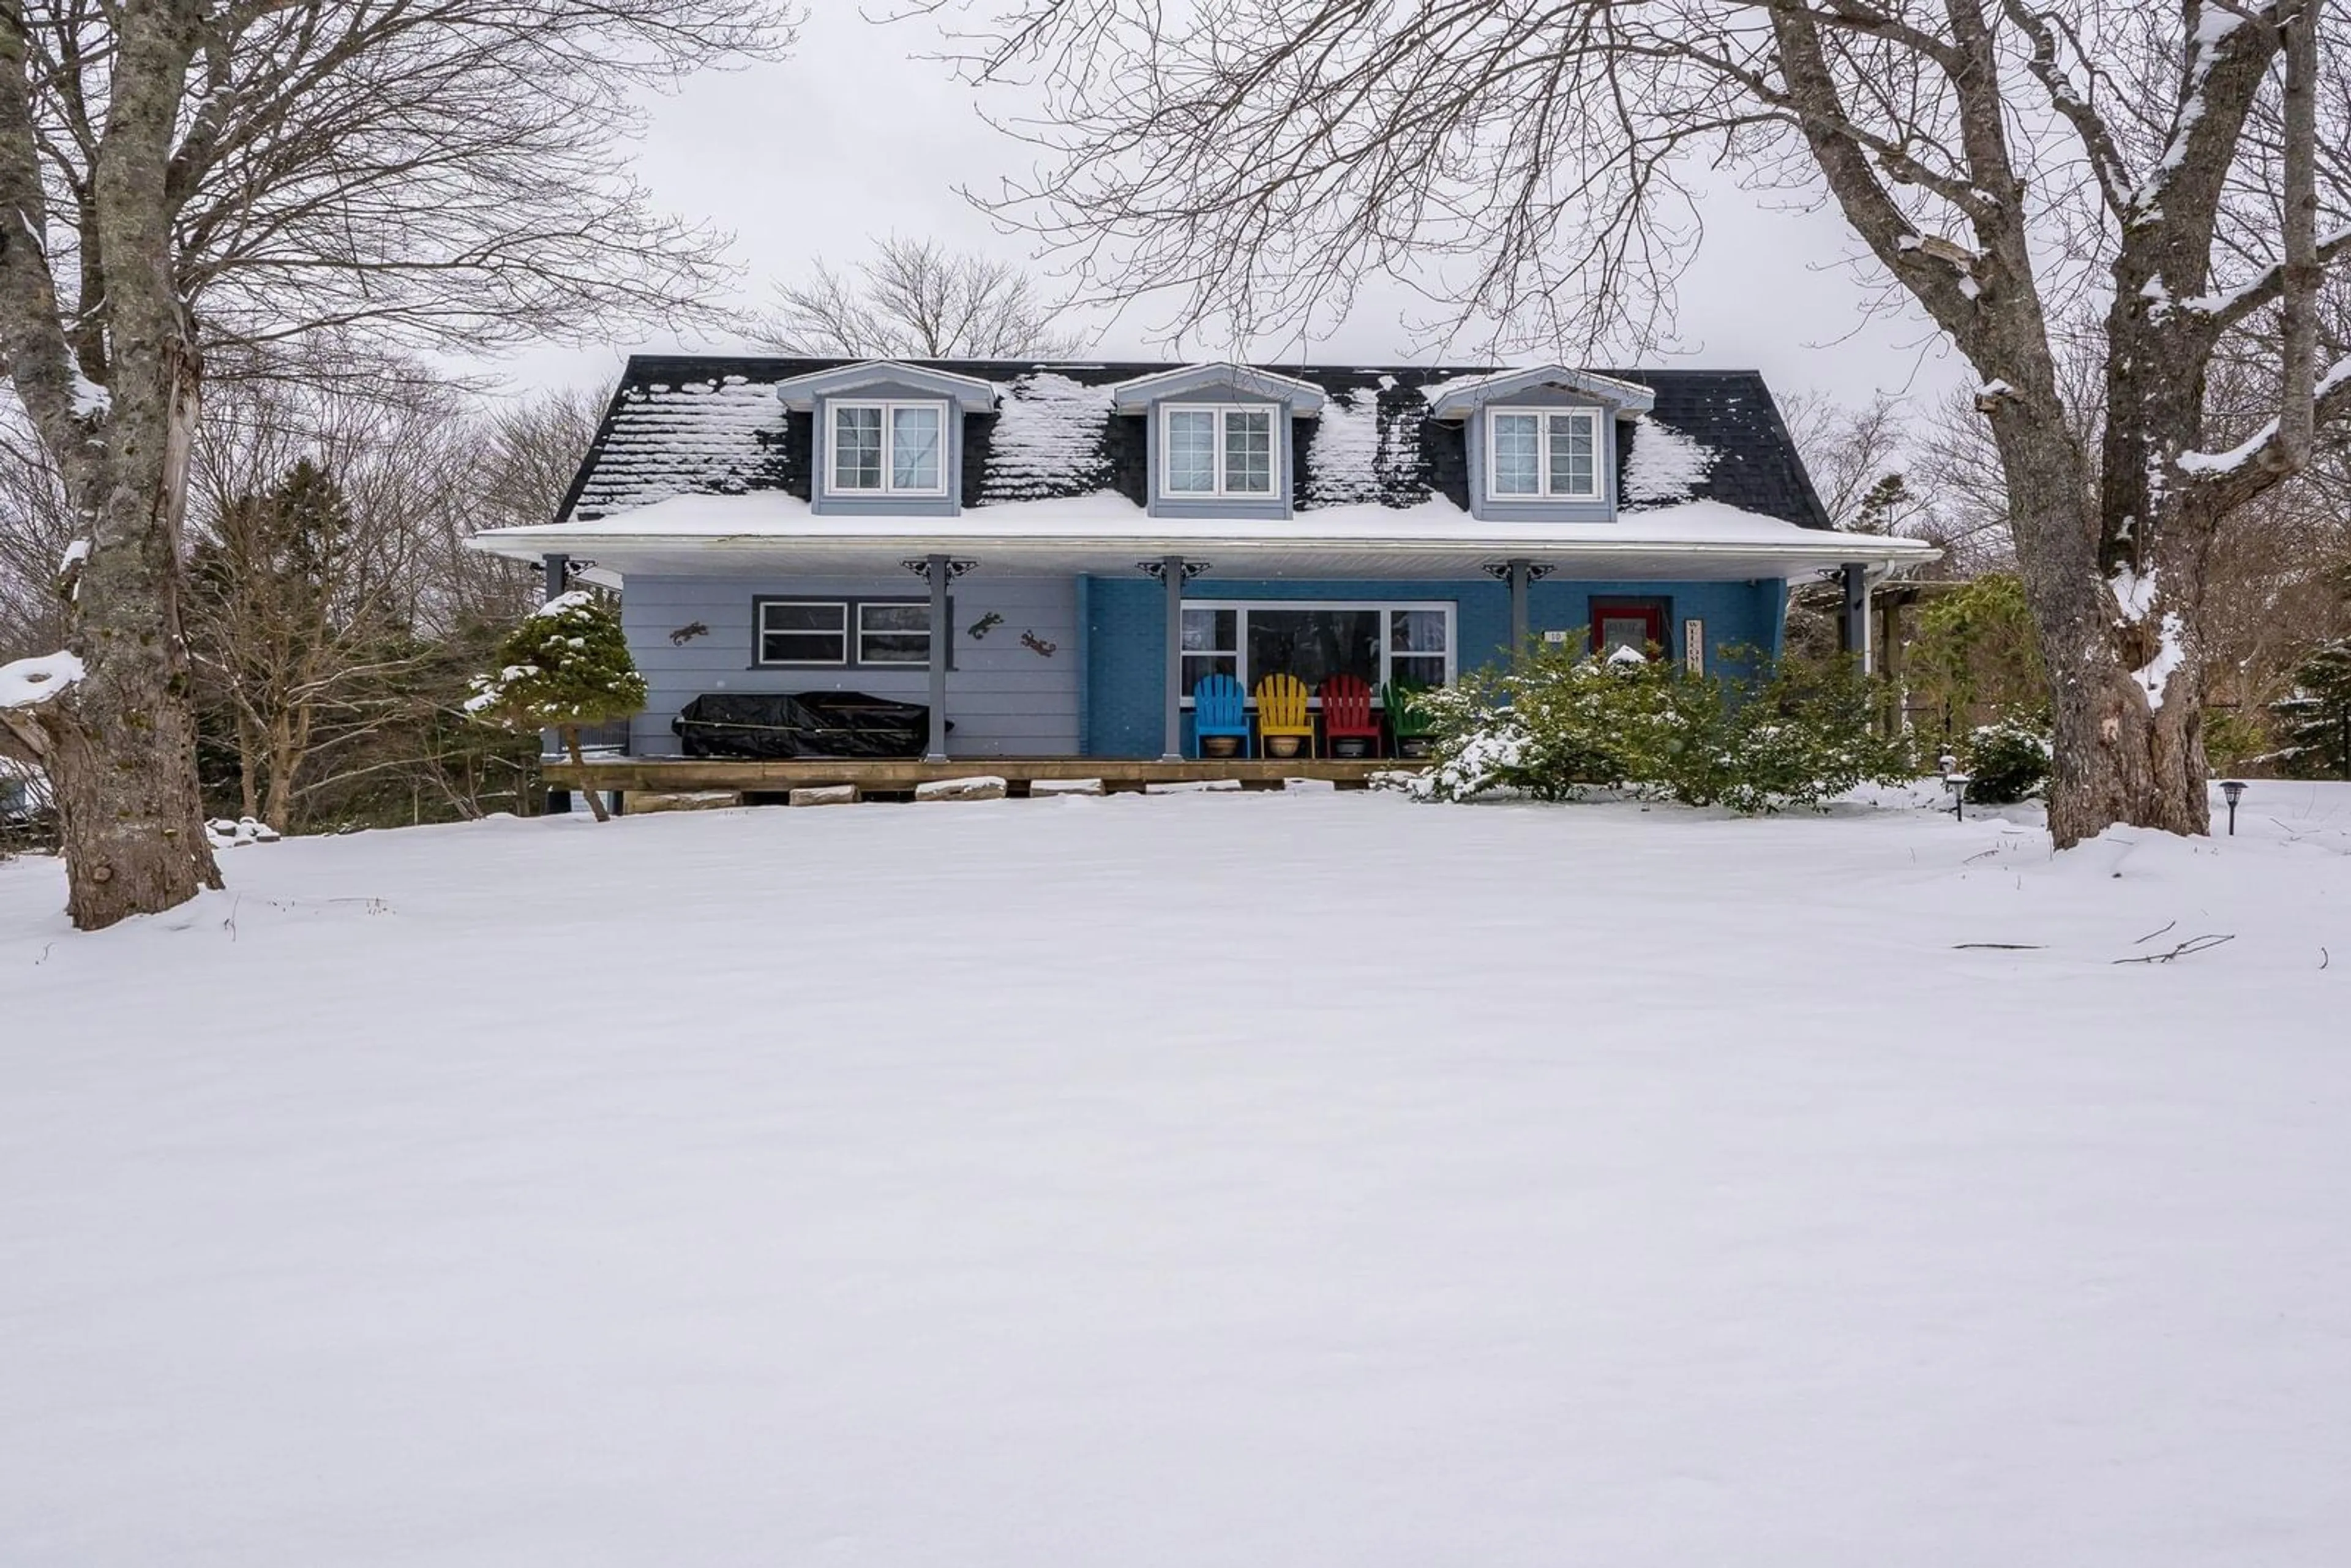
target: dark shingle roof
684 424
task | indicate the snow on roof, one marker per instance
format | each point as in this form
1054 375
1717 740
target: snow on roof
1047 440
713 433
710 424
1665 465
1346 451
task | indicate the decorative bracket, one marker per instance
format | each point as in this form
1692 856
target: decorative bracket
921 567
1157 570
1499 571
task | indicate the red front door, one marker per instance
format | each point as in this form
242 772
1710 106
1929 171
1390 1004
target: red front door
1627 623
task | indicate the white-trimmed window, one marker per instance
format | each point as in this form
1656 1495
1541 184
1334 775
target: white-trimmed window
1217 451
839 633
803 631
886 448
894 633
1411 643
1542 455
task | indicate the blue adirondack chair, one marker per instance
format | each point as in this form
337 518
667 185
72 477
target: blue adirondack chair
1220 706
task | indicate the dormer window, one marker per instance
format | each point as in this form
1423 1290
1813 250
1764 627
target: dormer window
1535 455
886 448
1215 450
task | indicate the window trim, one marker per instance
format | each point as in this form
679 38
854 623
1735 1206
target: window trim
853 611
1544 415
858 633
1656 608
1222 411
834 489
1450 609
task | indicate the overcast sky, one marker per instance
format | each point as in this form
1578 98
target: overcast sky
855 137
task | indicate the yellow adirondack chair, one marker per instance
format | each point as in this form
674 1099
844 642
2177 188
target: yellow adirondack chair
1282 710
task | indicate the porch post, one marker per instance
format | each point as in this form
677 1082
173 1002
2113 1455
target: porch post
559 577
1172 570
940 571
1854 638
1517 610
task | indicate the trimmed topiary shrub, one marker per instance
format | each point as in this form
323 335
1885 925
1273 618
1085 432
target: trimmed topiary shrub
565 667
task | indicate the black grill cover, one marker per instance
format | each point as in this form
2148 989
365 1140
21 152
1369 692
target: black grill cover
778 725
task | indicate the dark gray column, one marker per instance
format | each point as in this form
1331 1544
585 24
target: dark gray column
559 577
1854 633
1172 570
1519 611
940 571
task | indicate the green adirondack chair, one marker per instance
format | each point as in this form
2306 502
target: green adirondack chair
1409 726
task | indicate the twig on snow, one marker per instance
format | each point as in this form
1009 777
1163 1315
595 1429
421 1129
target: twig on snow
2002 947
2152 935
2204 944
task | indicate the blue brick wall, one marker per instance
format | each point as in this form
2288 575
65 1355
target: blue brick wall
1124 631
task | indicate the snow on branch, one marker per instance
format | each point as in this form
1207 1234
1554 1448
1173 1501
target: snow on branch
2261 450
28 682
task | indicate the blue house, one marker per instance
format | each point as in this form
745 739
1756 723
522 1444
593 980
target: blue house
1048 556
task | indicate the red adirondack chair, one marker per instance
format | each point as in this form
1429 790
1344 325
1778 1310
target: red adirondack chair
1347 712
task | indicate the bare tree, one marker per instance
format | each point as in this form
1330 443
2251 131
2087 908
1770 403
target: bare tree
194 180
918 299
1848 451
2170 180
36 524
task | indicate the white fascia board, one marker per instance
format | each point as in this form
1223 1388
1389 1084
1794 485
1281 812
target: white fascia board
969 392
1461 397
1137 395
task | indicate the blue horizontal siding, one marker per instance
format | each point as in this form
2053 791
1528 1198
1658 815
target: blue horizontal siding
1125 628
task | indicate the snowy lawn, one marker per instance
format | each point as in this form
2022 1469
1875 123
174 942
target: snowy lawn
1189 1181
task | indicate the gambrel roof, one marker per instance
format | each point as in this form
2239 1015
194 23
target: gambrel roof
698 425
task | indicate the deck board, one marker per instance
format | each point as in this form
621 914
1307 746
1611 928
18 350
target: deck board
677 774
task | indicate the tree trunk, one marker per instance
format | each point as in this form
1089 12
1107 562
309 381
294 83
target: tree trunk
123 757
595 799
286 755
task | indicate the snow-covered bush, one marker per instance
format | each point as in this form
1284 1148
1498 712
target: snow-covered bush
2007 760
1759 740
566 666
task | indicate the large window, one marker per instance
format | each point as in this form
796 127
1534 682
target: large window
1534 454
1412 643
1213 451
843 631
887 449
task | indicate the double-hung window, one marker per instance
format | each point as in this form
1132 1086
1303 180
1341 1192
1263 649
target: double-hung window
1217 451
841 632
1539 454
886 449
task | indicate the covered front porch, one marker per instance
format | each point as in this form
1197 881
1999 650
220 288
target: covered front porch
1067 636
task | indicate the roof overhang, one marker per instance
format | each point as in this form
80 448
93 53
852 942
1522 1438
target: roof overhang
1137 395
1112 537
969 392
1464 395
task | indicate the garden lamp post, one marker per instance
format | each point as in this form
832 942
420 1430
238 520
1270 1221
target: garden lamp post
2232 790
1956 783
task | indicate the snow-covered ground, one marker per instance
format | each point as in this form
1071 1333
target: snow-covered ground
1191 1181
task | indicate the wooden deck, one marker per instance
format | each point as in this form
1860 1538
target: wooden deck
678 775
